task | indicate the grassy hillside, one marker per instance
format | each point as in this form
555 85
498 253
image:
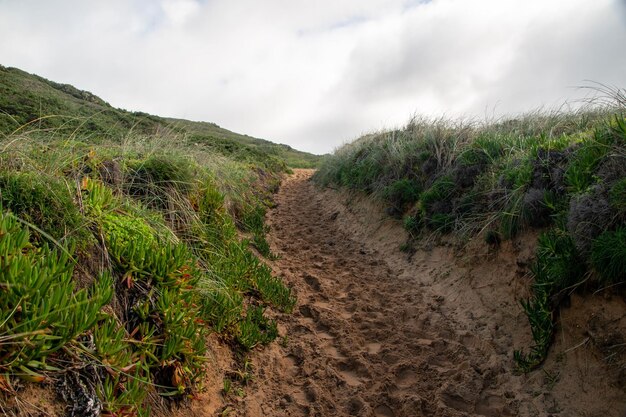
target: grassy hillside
231 143
563 173
126 239
29 103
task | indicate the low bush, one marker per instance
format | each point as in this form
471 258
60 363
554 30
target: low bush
163 171
558 267
579 174
439 195
402 192
41 311
617 197
256 328
154 219
126 382
608 256
413 224
253 221
587 216
157 179
44 202
222 308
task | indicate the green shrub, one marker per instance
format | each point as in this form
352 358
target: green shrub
209 204
617 197
558 264
517 174
563 169
173 250
126 383
413 224
169 336
260 243
98 198
159 179
437 206
272 290
256 329
485 150
45 202
402 192
580 172
40 310
180 342
442 222
222 308
608 256
123 229
164 171
491 145
124 394
557 267
440 190
253 220
159 277
539 312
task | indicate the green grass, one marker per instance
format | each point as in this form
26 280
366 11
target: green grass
608 256
617 197
44 201
558 268
402 192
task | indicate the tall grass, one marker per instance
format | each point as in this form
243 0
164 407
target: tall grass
561 171
161 213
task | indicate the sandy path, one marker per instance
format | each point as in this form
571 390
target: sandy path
372 334
362 340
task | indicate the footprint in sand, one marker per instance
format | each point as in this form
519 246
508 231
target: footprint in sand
406 377
308 312
324 336
383 411
292 364
350 378
332 352
312 282
373 348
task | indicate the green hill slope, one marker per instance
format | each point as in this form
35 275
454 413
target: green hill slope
29 102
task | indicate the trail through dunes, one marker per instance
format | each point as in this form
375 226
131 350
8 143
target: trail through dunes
375 334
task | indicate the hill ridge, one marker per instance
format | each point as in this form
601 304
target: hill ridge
27 98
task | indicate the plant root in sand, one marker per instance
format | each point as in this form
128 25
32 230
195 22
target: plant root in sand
377 334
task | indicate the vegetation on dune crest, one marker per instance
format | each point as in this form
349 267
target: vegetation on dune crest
563 172
121 250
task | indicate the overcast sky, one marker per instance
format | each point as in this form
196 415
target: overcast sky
316 73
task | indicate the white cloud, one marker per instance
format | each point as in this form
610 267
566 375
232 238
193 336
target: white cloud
313 74
177 12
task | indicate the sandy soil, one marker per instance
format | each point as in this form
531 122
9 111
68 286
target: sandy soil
377 334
